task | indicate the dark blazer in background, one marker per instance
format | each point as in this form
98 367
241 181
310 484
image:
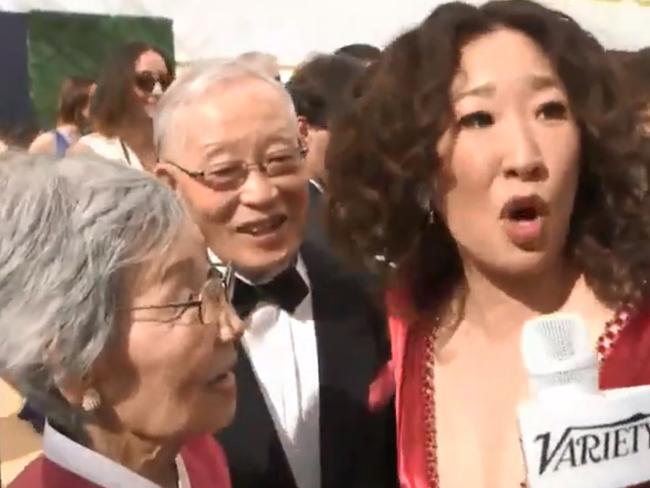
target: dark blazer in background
316 229
357 446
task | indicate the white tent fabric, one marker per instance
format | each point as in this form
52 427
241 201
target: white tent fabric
291 29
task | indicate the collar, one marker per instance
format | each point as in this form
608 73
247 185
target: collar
96 468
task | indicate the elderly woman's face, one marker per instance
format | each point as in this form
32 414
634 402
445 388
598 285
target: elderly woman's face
509 165
169 375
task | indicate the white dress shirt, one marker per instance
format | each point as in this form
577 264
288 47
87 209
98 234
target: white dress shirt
283 353
94 467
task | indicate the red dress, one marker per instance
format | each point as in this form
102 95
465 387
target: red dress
625 356
204 461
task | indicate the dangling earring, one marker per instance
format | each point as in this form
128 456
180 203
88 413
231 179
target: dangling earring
91 400
431 216
424 201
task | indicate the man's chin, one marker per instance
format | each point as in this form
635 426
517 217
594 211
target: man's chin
261 270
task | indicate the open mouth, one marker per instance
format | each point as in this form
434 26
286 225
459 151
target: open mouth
524 209
523 220
225 374
263 226
523 214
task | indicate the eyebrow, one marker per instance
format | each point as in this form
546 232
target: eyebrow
542 82
486 90
212 149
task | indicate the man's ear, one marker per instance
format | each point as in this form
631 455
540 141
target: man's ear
162 172
303 128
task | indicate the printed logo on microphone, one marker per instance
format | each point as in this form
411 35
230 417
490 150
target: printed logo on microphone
589 445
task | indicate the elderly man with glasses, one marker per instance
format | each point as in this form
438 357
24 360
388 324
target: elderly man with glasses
228 143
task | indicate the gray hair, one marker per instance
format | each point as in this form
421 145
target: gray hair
70 228
264 62
195 82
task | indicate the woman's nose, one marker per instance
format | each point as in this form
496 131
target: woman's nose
231 327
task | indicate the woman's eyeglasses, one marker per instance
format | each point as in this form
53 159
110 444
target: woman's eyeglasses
215 295
146 80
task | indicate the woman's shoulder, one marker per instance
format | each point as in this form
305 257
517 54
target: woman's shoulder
402 315
206 462
45 143
108 147
407 336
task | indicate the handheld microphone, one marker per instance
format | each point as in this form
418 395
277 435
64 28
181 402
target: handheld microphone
572 434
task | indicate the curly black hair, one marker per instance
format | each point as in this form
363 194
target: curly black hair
383 147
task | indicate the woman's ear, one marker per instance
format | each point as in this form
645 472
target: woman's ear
72 389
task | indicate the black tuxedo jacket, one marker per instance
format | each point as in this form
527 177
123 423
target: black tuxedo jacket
357 447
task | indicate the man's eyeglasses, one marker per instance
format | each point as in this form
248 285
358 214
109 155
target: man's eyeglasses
146 80
233 174
214 296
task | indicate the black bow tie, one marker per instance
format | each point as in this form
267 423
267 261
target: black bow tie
287 290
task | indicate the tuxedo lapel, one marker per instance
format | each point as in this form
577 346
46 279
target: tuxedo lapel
349 340
261 462
352 347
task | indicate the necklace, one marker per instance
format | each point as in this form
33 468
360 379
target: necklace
605 343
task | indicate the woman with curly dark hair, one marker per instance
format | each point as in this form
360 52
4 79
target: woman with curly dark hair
489 162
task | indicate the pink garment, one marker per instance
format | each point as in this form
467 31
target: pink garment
204 460
627 364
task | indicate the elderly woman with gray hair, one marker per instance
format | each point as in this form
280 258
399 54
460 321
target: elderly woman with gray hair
114 325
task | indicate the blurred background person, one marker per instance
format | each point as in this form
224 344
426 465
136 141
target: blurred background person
100 262
635 70
263 62
492 158
366 53
230 145
72 118
130 82
321 89
18 134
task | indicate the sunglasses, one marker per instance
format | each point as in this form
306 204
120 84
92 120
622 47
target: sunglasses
146 81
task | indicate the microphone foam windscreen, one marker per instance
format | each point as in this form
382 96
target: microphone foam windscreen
556 351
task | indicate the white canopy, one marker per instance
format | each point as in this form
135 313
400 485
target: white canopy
291 29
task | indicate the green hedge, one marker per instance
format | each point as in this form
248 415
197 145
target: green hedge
62 44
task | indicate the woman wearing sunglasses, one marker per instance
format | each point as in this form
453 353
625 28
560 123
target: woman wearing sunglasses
114 325
131 81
